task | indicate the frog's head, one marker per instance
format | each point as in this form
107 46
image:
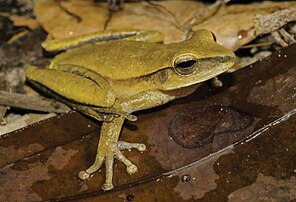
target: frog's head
195 60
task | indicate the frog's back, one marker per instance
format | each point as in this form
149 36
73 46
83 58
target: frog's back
118 60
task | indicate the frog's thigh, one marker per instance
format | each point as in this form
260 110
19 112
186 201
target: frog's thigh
143 100
81 87
84 72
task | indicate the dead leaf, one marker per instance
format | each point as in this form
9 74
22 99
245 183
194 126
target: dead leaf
61 22
24 21
72 18
17 36
241 22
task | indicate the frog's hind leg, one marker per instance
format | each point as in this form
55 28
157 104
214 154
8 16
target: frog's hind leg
108 149
100 37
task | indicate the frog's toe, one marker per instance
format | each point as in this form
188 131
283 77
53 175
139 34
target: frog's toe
125 145
106 155
216 82
107 186
131 169
84 175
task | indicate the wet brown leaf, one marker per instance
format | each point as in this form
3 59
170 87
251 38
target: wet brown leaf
41 162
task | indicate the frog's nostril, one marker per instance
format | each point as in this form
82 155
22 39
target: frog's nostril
163 76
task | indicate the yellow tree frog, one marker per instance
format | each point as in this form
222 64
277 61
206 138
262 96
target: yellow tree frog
110 80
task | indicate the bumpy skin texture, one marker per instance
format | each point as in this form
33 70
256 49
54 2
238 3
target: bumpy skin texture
110 80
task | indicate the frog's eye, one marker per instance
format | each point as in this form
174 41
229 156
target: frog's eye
214 37
185 65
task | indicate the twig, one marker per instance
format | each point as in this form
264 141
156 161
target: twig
76 17
115 5
177 23
257 45
2 114
35 103
3 109
204 14
272 22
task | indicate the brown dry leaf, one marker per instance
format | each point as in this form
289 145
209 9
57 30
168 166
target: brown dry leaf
70 18
24 21
17 36
235 25
168 17
87 17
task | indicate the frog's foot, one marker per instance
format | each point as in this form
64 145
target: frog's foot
216 82
3 122
106 154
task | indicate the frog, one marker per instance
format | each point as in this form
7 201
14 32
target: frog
110 80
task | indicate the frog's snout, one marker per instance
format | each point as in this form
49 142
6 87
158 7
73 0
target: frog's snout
226 62
231 60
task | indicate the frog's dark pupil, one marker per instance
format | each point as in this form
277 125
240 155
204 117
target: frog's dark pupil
186 64
214 37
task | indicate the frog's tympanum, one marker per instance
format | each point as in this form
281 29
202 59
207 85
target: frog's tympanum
110 80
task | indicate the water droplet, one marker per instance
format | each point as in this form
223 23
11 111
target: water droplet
186 178
130 197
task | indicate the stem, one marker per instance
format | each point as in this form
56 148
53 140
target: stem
35 103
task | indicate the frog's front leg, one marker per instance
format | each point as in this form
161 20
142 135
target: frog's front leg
109 148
